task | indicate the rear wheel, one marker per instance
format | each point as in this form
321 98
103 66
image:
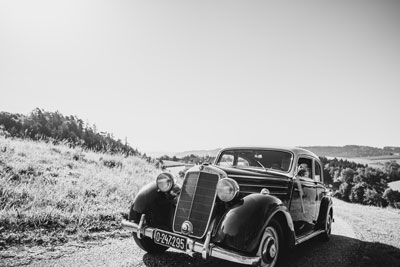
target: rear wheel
325 236
271 244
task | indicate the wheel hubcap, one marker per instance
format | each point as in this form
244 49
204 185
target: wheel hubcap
270 249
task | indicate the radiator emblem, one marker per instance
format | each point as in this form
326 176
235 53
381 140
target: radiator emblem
187 228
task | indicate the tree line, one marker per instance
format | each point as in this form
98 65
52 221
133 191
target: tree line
55 127
191 159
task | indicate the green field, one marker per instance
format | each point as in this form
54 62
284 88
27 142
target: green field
52 194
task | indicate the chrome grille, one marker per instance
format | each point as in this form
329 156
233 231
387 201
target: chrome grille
196 202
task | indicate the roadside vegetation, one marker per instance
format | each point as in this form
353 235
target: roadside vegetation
55 193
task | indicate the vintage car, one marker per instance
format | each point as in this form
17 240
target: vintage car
250 206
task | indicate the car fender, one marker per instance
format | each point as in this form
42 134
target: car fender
325 207
241 227
157 206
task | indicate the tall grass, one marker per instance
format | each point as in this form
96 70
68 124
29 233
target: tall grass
50 193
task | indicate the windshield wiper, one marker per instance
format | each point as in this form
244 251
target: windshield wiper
265 169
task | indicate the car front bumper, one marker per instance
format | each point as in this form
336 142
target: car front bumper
206 249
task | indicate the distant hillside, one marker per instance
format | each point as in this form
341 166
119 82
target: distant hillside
201 153
158 154
352 151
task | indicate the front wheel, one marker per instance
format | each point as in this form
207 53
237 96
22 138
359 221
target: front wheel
148 245
145 243
271 245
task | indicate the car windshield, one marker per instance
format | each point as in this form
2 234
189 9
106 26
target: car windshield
265 159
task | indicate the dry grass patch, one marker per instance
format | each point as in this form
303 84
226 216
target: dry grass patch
53 193
377 228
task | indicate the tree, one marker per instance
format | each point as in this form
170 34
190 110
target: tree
348 175
393 170
357 193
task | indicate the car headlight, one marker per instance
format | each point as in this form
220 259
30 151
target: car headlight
165 181
227 189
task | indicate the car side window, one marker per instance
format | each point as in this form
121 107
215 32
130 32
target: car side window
304 168
226 160
317 172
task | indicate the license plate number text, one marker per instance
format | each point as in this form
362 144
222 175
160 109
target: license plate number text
170 240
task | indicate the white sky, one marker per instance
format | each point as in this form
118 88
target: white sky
182 75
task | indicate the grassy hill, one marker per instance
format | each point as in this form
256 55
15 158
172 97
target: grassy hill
53 193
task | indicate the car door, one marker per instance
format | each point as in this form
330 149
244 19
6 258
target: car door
318 177
303 205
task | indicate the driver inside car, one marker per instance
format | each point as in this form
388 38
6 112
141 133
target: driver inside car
304 170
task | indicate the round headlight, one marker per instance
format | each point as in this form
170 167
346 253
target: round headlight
227 189
165 181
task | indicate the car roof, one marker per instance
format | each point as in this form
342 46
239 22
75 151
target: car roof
295 150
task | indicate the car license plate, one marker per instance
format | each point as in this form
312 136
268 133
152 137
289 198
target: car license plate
169 240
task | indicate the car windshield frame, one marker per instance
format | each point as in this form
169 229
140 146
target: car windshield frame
257 158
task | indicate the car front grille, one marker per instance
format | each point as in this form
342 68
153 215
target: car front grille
196 202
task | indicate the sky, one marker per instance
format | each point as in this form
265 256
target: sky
184 75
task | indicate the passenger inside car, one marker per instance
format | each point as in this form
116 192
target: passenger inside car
276 166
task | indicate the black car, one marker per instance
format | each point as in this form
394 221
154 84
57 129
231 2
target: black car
250 206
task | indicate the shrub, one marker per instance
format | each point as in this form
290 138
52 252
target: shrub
392 197
373 198
111 163
344 191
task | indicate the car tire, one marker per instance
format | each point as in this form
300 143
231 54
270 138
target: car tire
325 236
148 245
145 243
271 245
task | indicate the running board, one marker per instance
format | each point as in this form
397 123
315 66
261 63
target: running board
307 237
